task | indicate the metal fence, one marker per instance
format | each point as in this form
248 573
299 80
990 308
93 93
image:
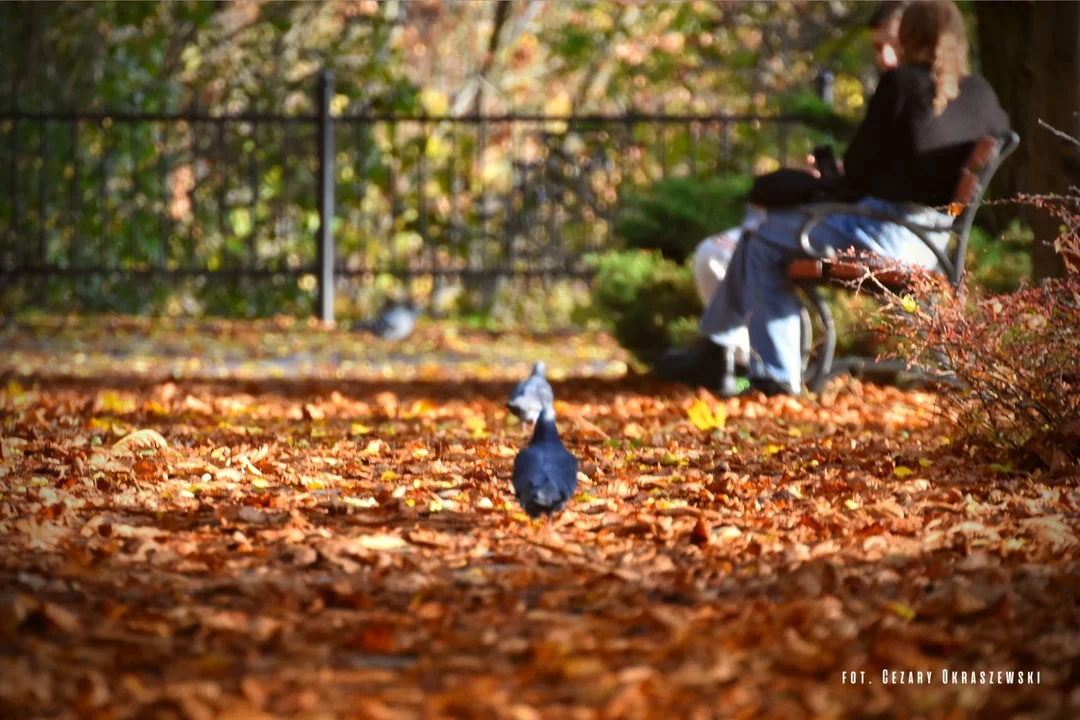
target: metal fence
312 201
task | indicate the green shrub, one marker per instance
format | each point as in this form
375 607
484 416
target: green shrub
645 298
675 214
999 264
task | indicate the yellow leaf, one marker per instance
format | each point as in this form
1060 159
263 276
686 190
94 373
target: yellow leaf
476 425
155 408
704 417
632 430
111 402
374 447
359 429
435 102
851 505
902 471
102 424
773 449
901 610
909 304
923 462
260 483
388 475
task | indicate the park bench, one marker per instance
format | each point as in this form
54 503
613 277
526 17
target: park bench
819 270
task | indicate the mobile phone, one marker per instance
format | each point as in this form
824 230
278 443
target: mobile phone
825 160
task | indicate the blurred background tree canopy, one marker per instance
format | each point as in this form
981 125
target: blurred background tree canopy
462 57
410 196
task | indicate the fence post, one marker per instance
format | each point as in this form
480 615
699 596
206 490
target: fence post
325 250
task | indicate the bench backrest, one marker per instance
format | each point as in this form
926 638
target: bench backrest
985 158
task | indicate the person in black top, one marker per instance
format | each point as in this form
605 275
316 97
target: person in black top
713 254
905 161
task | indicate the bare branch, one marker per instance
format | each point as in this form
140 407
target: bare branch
1063 135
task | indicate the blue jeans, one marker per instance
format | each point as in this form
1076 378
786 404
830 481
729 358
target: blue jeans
756 292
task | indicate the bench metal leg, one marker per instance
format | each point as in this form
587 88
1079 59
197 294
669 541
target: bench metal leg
820 368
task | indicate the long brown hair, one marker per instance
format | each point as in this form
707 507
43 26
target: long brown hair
932 33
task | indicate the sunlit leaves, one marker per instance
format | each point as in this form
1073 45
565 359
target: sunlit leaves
705 417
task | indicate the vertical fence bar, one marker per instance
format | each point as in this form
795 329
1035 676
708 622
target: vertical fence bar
422 198
166 195
219 171
74 195
14 178
325 259
43 237
253 201
134 227
782 140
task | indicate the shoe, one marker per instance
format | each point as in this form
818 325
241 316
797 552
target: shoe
768 387
704 364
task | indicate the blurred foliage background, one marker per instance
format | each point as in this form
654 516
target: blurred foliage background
421 184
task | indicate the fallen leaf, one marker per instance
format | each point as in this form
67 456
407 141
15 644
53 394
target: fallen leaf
140 440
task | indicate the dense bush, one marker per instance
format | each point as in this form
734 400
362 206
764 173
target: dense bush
1016 355
645 298
675 214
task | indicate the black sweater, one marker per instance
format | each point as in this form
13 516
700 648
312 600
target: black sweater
903 153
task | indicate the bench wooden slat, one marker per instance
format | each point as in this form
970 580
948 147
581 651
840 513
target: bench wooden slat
842 272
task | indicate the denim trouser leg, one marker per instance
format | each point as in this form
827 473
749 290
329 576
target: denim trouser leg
756 291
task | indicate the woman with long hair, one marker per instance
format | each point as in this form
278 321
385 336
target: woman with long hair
904 161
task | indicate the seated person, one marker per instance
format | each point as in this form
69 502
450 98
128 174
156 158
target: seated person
712 255
905 160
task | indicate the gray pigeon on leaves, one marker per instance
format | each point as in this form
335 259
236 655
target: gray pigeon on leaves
528 396
545 473
396 322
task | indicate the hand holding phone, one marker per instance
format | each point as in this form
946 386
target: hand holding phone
825 161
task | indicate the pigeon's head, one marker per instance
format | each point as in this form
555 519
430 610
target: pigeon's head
539 369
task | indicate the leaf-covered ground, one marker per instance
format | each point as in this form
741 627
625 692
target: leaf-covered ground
257 520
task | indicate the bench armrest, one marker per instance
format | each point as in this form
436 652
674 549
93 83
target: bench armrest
819 211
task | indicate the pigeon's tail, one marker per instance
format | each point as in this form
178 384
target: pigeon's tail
545 500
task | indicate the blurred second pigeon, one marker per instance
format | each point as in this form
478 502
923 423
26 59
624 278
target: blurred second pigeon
394 323
529 396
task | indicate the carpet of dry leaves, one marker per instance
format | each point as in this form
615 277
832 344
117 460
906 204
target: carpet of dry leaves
206 527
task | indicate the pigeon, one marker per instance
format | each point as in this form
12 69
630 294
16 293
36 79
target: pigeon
528 396
394 323
545 473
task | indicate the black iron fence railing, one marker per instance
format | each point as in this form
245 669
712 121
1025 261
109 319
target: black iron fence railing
313 200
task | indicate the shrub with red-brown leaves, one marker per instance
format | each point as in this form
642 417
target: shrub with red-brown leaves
1017 355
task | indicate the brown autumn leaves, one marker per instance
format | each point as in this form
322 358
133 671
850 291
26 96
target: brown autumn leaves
321 548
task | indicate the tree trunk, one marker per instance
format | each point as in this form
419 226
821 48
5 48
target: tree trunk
1030 53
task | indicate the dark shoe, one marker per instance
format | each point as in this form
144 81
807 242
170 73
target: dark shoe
768 387
705 364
